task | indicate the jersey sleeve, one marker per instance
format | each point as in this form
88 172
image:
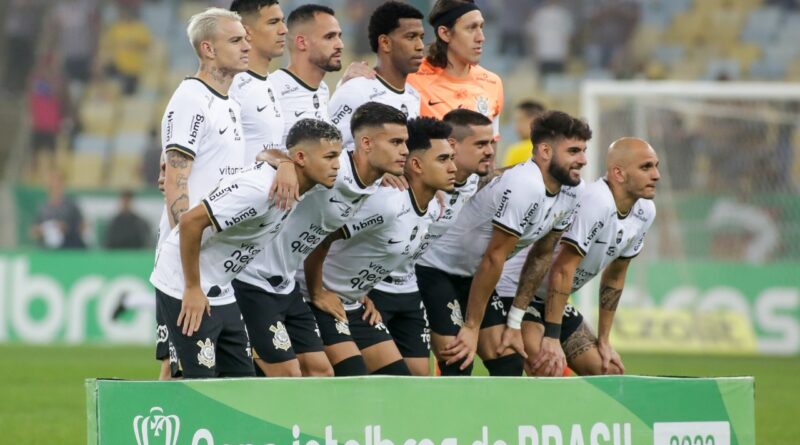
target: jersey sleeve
373 215
342 106
184 124
513 206
635 248
588 221
237 199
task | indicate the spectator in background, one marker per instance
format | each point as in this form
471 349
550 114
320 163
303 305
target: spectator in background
524 114
127 230
74 26
512 16
48 105
610 26
151 161
59 222
551 28
125 45
20 30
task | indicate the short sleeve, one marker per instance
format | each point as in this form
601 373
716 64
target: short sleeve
635 247
375 213
514 206
237 199
588 222
184 124
341 108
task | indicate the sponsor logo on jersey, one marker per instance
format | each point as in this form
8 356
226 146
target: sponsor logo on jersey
404 109
368 221
206 356
432 103
612 250
392 241
288 89
639 242
159 425
222 131
482 105
298 113
403 211
593 233
376 93
170 123
280 338
194 127
241 216
455 313
260 109
528 218
343 111
220 192
640 215
414 233
271 96
501 209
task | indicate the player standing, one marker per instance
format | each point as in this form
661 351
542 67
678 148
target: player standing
201 129
395 35
519 207
281 325
194 266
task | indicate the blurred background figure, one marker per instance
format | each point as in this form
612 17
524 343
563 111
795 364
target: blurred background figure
124 48
524 114
49 108
20 29
59 222
551 28
127 230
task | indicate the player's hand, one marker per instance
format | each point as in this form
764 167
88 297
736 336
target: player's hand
612 362
285 189
512 338
358 69
550 360
162 175
463 347
371 314
328 302
398 182
193 305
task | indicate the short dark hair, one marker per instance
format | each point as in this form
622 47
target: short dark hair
386 18
311 130
306 13
437 51
246 8
461 119
375 114
554 124
422 129
531 107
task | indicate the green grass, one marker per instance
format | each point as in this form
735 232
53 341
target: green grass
42 388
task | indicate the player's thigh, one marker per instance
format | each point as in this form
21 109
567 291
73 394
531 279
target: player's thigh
580 348
441 295
315 364
380 355
234 356
336 336
375 342
264 315
409 326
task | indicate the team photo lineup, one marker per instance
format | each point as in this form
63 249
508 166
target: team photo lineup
317 231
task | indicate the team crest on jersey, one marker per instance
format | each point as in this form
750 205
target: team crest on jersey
414 233
482 105
453 198
619 236
342 327
280 338
206 356
455 313
233 116
404 109
315 100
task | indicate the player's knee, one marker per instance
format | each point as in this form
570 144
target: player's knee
507 365
398 367
319 371
350 366
454 369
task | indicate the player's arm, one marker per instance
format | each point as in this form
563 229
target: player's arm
192 223
176 183
611 283
285 188
551 357
320 297
491 266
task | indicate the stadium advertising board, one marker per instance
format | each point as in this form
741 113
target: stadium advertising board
622 410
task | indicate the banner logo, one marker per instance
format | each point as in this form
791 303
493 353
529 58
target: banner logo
159 425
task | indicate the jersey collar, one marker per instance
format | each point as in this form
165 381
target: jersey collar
213 91
389 86
299 80
359 182
417 208
256 75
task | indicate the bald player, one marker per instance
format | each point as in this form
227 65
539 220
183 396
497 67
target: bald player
611 219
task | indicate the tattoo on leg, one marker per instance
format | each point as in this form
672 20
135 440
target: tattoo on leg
176 159
579 342
609 298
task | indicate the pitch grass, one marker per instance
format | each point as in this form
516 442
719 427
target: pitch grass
42 398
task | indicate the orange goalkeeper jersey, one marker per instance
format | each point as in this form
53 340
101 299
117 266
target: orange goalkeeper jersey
481 91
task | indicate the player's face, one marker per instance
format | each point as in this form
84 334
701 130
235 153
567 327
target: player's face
267 33
569 157
466 38
642 174
522 123
230 47
438 166
322 162
474 153
389 151
407 48
325 43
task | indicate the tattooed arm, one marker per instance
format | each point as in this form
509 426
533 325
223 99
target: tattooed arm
611 283
536 265
176 184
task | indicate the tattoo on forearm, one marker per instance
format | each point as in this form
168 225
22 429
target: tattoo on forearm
609 298
178 207
552 294
530 278
176 159
181 181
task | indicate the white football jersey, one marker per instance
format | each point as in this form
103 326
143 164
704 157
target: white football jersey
515 202
601 234
320 212
360 90
403 279
262 118
243 220
299 100
386 233
206 126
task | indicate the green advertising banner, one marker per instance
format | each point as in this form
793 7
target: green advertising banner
621 410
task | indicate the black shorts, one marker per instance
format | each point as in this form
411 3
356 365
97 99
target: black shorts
220 347
404 315
279 326
445 297
569 323
356 330
162 336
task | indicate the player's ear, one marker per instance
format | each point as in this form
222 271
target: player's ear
366 143
299 158
384 43
617 174
452 143
207 50
443 33
300 42
415 163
